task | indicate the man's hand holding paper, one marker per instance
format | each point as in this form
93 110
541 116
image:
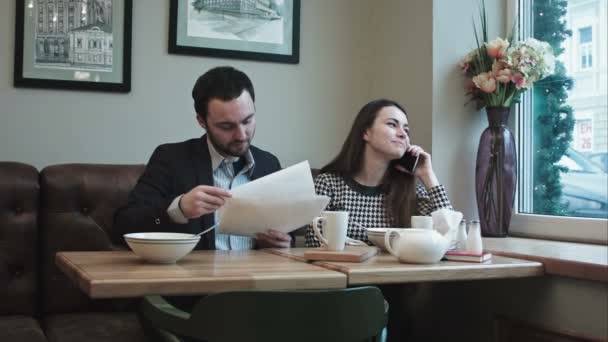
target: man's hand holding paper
282 201
201 200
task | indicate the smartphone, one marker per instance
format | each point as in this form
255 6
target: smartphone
408 161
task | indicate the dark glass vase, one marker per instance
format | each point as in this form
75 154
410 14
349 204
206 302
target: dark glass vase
496 174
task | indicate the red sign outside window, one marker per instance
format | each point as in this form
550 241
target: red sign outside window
583 135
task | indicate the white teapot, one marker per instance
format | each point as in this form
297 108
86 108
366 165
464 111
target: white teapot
418 246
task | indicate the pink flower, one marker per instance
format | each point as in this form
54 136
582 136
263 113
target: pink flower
497 48
465 63
519 80
501 72
464 67
486 82
503 76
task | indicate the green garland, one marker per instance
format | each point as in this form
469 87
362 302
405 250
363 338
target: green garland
553 117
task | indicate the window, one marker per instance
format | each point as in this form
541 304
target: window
50 16
562 125
585 48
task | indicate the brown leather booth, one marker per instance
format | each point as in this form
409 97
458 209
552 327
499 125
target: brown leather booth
63 208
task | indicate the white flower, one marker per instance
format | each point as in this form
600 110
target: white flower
532 58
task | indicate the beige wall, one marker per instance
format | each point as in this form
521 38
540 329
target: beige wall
402 48
460 125
304 110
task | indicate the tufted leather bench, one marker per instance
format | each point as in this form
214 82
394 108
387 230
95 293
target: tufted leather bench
63 208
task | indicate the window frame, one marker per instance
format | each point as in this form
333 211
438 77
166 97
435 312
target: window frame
588 230
584 50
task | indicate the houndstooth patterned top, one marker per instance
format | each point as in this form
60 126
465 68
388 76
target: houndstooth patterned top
365 205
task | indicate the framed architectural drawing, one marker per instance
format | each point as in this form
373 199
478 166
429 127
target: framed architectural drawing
263 30
73 44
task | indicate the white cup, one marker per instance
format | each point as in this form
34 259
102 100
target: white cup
424 222
335 226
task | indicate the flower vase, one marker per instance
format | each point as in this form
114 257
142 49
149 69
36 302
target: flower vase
496 174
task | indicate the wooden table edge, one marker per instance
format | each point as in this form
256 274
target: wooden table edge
103 289
531 269
72 271
516 271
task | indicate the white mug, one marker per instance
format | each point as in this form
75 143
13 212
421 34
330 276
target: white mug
335 226
424 222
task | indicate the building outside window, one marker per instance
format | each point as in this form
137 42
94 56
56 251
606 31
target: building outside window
563 124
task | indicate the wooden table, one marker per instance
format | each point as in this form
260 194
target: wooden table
122 274
385 269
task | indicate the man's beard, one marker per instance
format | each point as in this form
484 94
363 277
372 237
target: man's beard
233 148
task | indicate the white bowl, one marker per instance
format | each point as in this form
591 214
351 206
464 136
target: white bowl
162 248
376 236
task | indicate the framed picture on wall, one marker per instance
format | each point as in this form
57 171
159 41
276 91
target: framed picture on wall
73 44
262 30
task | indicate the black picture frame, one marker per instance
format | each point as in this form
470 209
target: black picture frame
65 45
259 43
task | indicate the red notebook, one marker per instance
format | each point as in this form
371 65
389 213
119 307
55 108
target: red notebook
468 256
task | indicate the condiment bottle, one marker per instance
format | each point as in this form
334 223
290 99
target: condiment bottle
461 236
474 244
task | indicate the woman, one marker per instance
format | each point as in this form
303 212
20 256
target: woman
364 181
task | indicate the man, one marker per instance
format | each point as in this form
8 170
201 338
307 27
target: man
185 183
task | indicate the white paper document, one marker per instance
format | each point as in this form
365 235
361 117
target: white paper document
284 201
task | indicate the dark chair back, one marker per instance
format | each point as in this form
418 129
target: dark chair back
355 314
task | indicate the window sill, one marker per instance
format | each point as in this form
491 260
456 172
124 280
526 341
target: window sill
568 259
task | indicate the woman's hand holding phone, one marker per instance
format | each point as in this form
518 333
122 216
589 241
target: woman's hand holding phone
407 163
417 162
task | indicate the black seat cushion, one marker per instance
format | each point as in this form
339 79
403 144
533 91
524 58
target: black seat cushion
94 327
20 328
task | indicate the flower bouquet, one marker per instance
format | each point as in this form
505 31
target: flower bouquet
499 71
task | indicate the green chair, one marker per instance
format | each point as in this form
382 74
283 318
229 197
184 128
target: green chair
355 314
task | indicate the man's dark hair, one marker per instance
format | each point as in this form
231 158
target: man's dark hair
224 83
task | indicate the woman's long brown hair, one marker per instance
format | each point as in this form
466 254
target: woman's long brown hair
400 188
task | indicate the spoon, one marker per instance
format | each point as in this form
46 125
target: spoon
208 230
